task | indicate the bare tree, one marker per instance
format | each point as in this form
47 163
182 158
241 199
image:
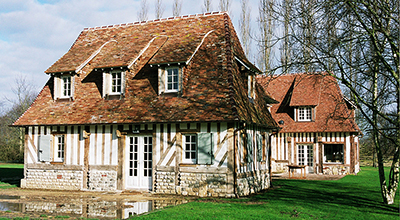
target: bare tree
176 8
142 13
266 25
11 139
207 7
224 5
286 10
159 9
244 26
362 52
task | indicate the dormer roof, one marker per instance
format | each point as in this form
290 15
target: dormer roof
317 90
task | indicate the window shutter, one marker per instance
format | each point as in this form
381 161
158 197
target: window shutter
44 147
249 148
123 82
204 150
72 86
57 87
161 80
259 147
106 84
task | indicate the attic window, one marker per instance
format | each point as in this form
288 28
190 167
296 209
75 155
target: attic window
170 79
113 83
63 86
304 114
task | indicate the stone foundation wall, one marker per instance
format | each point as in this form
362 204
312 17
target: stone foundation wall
202 184
279 167
53 179
165 182
102 180
253 182
336 170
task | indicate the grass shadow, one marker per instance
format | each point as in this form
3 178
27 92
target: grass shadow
11 176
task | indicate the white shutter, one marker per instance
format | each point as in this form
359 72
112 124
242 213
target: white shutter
57 87
72 87
204 149
161 80
123 82
44 148
106 84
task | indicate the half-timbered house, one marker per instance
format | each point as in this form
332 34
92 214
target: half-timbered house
169 105
317 124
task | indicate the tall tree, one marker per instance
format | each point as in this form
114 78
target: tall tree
286 10
363 54
159 8
224 5
266 26
176 8
142 13
245 27
207 7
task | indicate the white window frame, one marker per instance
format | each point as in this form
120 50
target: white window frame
59 148
63 89
304 158
108 83
167 82
304 114
189 155
66 86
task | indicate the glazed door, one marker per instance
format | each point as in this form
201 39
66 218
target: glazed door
139 154
306 157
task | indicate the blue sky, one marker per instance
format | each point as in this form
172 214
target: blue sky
36 33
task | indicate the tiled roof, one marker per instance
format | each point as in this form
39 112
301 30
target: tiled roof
214 86
315 90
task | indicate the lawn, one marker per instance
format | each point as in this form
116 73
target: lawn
352 197
10 175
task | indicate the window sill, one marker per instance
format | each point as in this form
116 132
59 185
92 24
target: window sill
333 163
57 163
114 97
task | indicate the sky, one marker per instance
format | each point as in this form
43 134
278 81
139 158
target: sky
36 33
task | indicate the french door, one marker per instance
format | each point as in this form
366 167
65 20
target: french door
305 156
139 164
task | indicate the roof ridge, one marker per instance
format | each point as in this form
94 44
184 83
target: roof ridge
155 20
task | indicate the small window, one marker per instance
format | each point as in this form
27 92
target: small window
190 148
116 85
333 153
251 87
113 83
66 86
63 86
172 79
304 114
59 146
197 148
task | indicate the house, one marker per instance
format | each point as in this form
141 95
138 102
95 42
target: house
170 106
317 124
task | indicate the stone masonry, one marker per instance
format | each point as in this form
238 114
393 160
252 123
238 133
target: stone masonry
54 179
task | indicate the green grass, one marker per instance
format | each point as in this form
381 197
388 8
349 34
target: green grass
352 197
10 174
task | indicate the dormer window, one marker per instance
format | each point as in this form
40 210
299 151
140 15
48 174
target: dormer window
113 83
63 86
304 114
116 85
170 79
